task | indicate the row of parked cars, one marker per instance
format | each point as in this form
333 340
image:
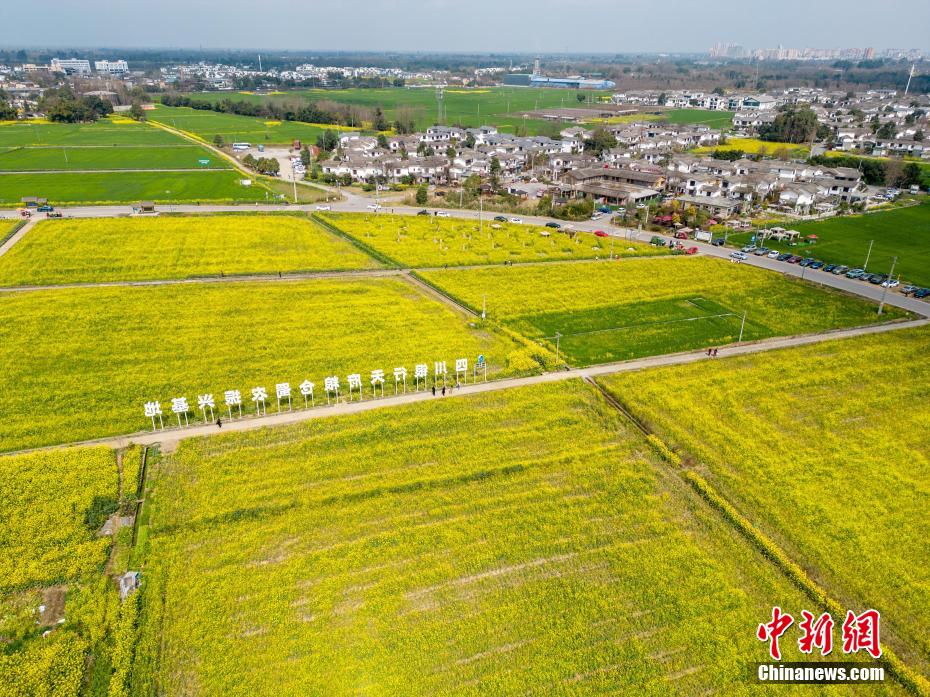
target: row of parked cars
877 279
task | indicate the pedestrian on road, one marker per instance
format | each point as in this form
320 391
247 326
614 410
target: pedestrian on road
715 353
434 389
219 422
443 390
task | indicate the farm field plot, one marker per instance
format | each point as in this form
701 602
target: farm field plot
130 187
85 157
756 146
903 232
826 449
100 133
499 106
429 241
117 249
82 361
51 504
640 307
234 128
442 548
714 119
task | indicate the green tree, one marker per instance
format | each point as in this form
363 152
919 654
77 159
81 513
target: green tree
382 141
601 140
379 123
422 195
218 141
495 170
886 131
793 125
470 141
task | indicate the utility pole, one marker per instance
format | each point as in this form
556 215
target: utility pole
484 306
886 285
558 336
865 266
742 327
480 211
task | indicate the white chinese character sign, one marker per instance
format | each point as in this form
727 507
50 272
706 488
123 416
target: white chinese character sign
153 409
233 399
461 368
283 391
331 384
204 402
400 376
179 406
355 381
260 396
377 380
420 372
306 389
439 368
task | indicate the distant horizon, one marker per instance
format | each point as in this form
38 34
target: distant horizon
624 27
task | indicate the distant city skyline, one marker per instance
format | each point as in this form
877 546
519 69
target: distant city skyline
519 26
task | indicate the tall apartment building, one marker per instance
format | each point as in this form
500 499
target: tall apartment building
70 66
119 67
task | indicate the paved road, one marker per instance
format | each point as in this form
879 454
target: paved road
18 236
172 436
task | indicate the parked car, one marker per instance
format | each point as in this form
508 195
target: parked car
829 268
423 212
45 209
443 214
517 221
909 289
600 233
681 235
878 279
748 248
739 256
922 292
717 241
500 218
597 216
840 270
816 264
806 262
658 241
373 206
691 250
555 226
761 251
891 283
855 273
785 256
53 214
794 259
324 207
605 209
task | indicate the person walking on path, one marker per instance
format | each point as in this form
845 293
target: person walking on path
443 390
219 422
434 389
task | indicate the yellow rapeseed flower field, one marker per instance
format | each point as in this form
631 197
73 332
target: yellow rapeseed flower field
80 362
519 541
826 449
422 241
76 250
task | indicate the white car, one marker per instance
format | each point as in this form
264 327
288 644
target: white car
374 206
518 221
597 216
890 284
324 207
739 256
773 254
443 214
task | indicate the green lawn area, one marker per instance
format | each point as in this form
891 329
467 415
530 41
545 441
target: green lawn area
498 106
130 187
80 362
234 128
101 132
825 448
525 541
76 250
37 159
638 307
903 232
714 119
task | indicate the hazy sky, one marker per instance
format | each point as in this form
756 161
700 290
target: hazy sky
546 26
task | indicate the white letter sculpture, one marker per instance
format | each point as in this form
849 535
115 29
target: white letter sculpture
439 368
259 395
400 375
377 380
233 399
461 366
282 390
179 406
306 389
355 380
204 402
153 409
331 385
420 372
